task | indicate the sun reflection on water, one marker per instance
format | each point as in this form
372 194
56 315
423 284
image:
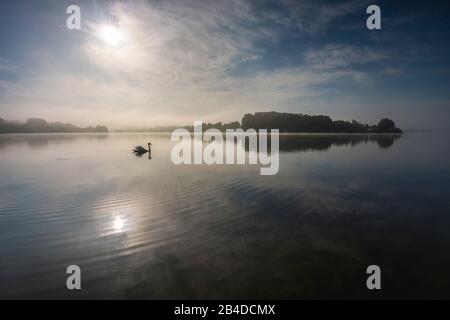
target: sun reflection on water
117 221
118 224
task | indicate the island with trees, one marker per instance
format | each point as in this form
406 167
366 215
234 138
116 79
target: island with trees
303 123
288 123
41 126
285 122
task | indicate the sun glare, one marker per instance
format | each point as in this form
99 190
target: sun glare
118 224
111 35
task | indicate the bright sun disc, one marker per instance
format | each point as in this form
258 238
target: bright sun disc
118 224
111 35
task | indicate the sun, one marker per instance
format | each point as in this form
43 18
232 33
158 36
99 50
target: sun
111 35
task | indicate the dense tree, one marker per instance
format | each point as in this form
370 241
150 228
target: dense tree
287 122
34 125
291 122
386 125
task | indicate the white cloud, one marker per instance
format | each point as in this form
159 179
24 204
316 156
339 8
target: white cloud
341 56
173 67
314 17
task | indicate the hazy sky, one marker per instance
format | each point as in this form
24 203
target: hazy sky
146 63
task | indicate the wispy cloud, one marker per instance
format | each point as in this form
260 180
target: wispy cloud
342 56
178 62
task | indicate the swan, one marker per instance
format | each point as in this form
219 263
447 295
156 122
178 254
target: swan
141 150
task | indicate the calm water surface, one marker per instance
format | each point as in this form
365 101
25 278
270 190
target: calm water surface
145 228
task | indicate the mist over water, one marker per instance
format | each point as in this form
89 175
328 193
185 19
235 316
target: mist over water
146 228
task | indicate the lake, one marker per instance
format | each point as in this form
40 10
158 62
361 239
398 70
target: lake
146 228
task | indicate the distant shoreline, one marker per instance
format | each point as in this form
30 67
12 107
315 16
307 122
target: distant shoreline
281 133
169 132
286 123
35 126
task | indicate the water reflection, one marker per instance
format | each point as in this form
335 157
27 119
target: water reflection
151 229
288 142
139 155
118 224
302 143
38 141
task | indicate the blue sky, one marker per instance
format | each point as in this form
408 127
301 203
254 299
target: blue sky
180 61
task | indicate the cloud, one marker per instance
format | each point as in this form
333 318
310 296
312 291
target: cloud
342 56
178 60
7 67
174 63
315 17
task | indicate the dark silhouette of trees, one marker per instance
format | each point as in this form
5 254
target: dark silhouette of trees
301 143
285 122
292 122
35 125
387 125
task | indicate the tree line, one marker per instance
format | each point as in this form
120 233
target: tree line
285 122
296 123
41 126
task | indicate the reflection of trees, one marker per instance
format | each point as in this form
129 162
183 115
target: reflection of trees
302 143
386 142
